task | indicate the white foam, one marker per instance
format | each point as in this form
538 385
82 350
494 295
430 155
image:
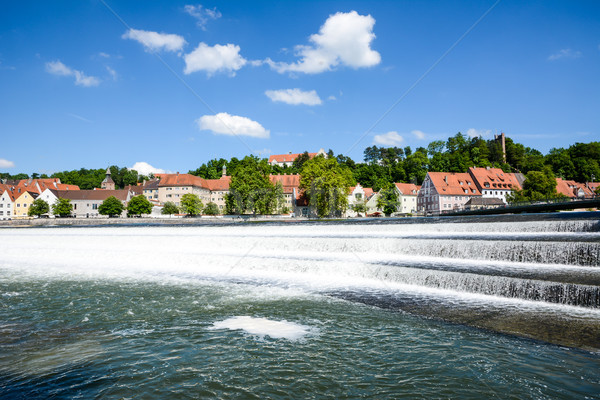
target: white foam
265 327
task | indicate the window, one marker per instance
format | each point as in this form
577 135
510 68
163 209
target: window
18 204
95 206
1 205
8 213
1 212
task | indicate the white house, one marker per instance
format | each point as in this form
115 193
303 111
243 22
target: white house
407 197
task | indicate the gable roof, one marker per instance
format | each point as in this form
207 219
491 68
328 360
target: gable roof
494 178
221 184
408 188
454 184
289 182
91 194
572 189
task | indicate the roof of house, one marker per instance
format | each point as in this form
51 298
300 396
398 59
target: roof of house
91 194
571 188
593 185
151 184
289 182
136 190
368 193
221 184
454 183
408 188
494 178
181 180
32 193
280 158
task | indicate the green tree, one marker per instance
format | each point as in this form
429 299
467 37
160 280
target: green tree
359 207
388 200
62 207
38 208
300 161
169 208
211 209
326 185
191 204
251 190
538 185
139 205
111 206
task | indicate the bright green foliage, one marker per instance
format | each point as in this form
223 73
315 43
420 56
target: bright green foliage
360 207
111 206
211 170
191 204
388 200
251 190
38 208
538 185
62 207
327 185
139 205
211 209
170 208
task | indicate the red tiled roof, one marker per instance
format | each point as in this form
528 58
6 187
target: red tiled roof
368 193
91 194
494 178
280 158
570 188
221 184
181 180
408 188
453 183
289 182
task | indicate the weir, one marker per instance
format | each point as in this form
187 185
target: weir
538 279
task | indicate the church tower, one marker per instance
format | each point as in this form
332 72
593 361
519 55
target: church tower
108 183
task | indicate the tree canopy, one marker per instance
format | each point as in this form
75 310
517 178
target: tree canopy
111 207
388 200
62 207
211 209
139 205
326 184
38 208
169 208
251 190
191 204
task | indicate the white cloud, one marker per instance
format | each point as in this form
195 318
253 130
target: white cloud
332 98
202 14
143 168
388 139
154 41
225 124
104 55
565 53
112 72
472 132
418 134
344 39
294 96
214 59
6 164
81 79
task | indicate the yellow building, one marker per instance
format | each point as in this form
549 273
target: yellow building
22 203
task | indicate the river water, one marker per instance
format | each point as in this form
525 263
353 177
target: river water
505 309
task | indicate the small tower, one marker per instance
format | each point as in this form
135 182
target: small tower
108 183
224 170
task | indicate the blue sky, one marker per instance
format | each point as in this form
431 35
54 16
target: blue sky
102 82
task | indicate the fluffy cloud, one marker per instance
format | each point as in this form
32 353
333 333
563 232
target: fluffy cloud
565 53
344 39
225 124
143 168
201 14
214 59
419 134
81 79
6 164
154 41
294 96
472 132
388 139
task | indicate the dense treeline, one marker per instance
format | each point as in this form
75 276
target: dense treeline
382 166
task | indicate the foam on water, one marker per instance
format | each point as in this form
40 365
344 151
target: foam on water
265 327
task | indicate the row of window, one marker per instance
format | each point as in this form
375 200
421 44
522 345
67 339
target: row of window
7 213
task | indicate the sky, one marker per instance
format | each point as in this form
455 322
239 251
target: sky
168 85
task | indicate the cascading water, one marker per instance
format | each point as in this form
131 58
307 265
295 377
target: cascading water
535 279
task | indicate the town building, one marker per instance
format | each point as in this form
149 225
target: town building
86 202
288 159
23 202
358 196
290 185
107 183
494 183
173 186
7 201
480 203
573 190
407 197
446 191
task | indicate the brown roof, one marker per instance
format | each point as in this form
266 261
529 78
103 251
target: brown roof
91 194
289 182
408 188
151 184
453 183
288 157
221 184
137 190
484 201
570 188
593 186
181 180
494 178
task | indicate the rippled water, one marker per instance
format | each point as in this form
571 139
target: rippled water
278 312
